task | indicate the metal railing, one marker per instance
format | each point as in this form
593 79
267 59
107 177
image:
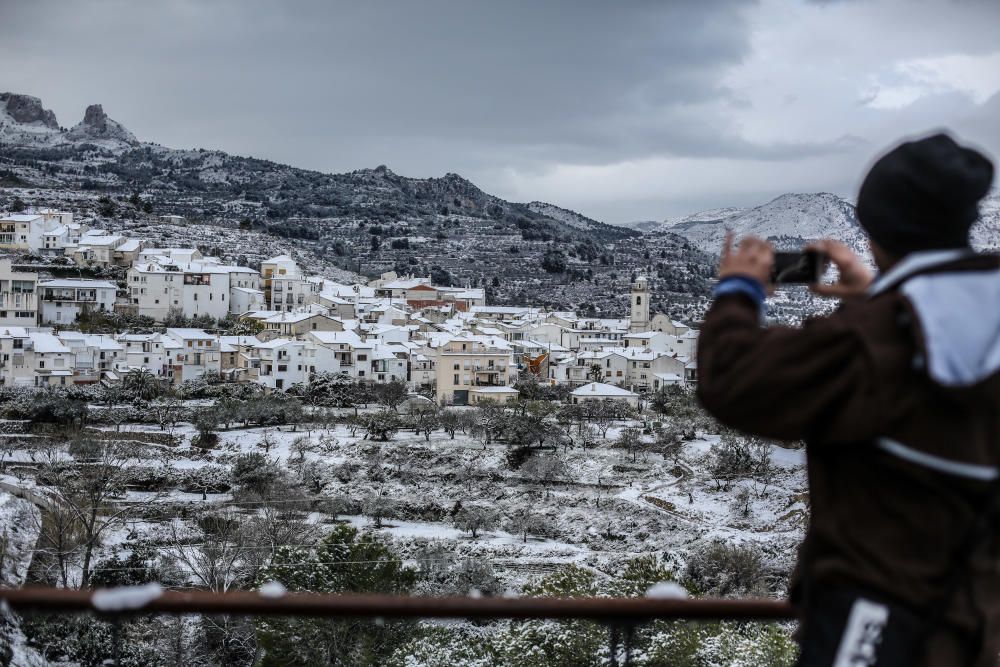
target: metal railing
610 610
621 615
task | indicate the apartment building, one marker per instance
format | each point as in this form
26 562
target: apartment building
95 357
284 363
61 301
465 362
193 289
22 232
50 361
345 347
298 324
95 248
16 357
147 351
18 296
191 353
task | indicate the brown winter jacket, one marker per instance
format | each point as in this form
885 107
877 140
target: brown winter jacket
897 397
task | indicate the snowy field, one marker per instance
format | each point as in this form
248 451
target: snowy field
596 509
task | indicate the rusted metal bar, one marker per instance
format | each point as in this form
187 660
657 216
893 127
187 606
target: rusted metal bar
610 610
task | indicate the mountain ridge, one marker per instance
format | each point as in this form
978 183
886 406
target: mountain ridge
100 153
793 219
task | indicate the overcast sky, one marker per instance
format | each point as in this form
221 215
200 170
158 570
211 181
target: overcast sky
620 110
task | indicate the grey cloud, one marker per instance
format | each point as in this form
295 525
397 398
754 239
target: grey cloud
489 89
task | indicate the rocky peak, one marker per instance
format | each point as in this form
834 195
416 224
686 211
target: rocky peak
97 125
28 109
95 118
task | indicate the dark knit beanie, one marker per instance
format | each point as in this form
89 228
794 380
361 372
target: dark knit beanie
924 195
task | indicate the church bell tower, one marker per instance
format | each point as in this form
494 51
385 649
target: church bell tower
640 305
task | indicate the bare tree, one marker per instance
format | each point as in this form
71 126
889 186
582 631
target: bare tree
60 537
451 421
470 470
88 492
266 441
742 501
670 442
376 506
7 448
764 470
524 521
545 470
426 419
630 439
390 394
166 411
300 447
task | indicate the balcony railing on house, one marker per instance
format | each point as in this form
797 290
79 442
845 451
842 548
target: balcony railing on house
620 615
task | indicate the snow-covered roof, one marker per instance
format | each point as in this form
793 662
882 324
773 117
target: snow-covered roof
493 390
47 343
336 337
289 318
13 332
232 343
272 344
78 284
20 217
130 245
407 283
260 314
58 230
601 389
188 332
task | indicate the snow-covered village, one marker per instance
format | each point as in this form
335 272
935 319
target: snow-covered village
487 450
510 334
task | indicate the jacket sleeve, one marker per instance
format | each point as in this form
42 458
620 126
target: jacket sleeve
816 383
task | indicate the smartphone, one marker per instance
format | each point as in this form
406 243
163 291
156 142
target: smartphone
807 266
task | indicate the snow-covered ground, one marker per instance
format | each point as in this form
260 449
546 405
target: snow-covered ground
601 510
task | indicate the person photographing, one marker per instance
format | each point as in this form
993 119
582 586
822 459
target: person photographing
897 397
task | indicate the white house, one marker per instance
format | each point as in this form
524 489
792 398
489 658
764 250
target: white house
95 356
146 351
18 296
193 353
52 362
284 362
16 357
193 289
95 248
598 391
61 301
21 231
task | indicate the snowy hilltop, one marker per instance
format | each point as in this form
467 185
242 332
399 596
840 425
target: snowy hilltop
25 122
796 218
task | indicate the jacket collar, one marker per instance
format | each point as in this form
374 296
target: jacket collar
913 263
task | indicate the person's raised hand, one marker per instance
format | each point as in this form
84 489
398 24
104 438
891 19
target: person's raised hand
754 258
855 277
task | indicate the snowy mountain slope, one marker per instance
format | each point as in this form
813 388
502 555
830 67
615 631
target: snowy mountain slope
789 220
568 217
793 219
712 215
